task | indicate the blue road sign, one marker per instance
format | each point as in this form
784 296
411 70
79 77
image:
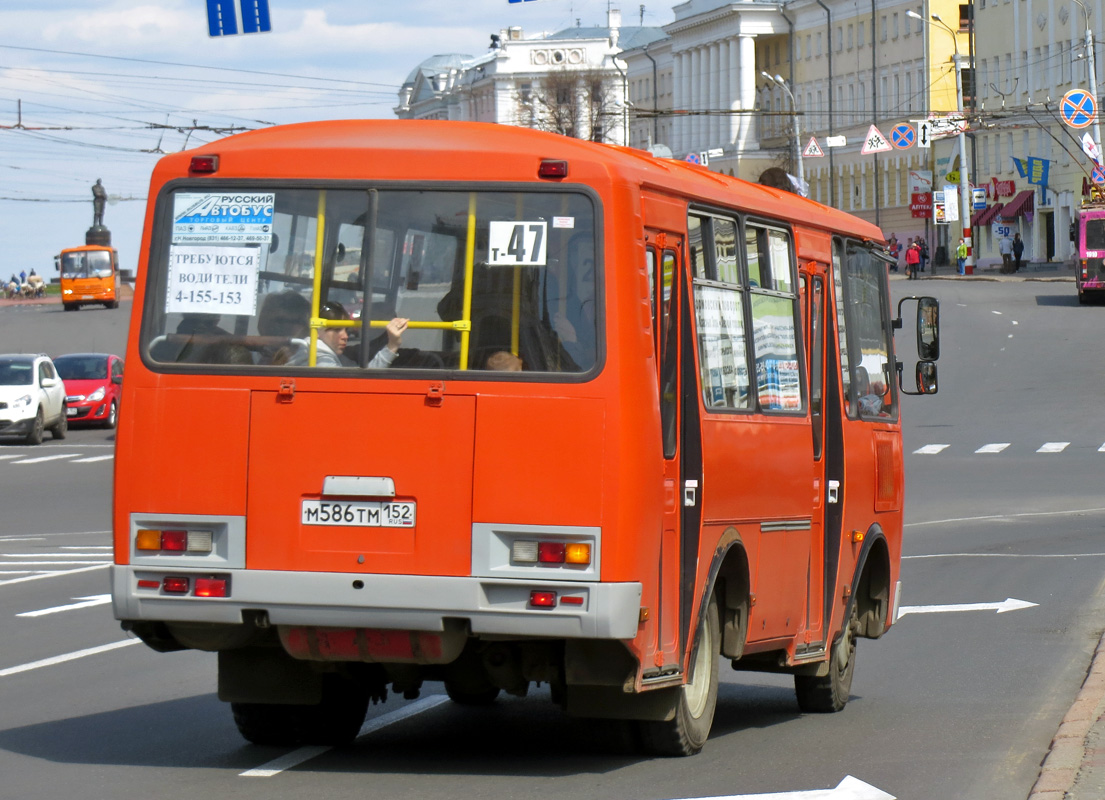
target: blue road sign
693 158
1078 108
255 16
222 17
1098 175
903 136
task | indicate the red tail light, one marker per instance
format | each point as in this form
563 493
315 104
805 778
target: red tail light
542 599
550 552
176 541
175 585
211 587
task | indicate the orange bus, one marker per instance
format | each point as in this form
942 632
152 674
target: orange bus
642 417
89 275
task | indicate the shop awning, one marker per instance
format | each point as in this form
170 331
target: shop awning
1019 205
986 215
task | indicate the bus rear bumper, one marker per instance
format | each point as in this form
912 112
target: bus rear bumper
497 607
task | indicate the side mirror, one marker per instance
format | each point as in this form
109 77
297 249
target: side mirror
47 383
926 377
117 379
1073 232
57 263
928 328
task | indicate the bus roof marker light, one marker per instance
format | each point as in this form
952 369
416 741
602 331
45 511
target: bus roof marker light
204 165
552 169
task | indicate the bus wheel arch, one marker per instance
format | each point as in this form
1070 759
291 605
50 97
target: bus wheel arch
871 587
732 588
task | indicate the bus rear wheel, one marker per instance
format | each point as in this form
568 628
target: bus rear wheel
687 732
830 693
336 720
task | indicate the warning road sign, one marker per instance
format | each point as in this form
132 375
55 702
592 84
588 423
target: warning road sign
902 136
1078 108
813 149
875 142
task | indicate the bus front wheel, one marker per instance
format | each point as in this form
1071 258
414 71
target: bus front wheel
70 306
687 732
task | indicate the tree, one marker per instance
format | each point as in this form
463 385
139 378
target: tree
579 103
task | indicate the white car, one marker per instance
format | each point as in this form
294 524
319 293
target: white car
32 398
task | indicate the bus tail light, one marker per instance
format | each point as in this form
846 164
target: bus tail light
175 585
204 165
552 169
211 587
174 541
542 599
550 552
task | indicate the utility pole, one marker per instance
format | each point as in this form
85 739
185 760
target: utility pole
780 81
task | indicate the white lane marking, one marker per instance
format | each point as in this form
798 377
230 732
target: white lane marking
86 602
1008 555
17 571
22 538
1054 447
1008 604
931 449
1014 322
6 456
848 789
1101 449
996 447
88 460
50 563
40 459
984 517
997 312
86 547
298 756
52 574
49 662
53 555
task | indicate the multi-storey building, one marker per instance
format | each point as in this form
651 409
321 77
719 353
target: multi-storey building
568 81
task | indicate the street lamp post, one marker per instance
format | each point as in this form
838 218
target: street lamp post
778 80
964 177
1091 70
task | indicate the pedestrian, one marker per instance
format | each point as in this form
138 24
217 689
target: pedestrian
1018 251
22 276
913 261
961 256
1005 247
892 249
924 253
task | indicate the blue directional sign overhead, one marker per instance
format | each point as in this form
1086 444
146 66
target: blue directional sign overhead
903 136
223 20
1078 108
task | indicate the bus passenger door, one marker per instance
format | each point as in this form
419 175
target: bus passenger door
814 300
665 260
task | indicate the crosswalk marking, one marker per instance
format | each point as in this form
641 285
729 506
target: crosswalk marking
997 447
1054 447
932 449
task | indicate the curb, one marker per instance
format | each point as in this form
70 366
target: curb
1069 758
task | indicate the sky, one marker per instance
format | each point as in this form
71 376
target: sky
100 89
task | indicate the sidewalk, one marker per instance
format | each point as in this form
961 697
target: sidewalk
1075 765
1036 271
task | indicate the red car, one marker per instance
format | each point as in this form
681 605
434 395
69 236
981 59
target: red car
93 382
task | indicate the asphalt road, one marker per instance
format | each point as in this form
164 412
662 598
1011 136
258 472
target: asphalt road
956 704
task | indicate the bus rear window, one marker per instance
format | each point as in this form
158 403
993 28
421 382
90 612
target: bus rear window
1095 233
299 278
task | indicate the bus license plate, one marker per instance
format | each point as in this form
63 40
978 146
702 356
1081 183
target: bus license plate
358 514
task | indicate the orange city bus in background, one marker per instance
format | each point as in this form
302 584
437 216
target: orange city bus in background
644 416
89 276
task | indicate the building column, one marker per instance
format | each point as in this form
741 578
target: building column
722 138
733 95
747 137
676 101
713 87
696 100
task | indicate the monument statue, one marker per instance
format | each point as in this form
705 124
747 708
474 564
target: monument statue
99 198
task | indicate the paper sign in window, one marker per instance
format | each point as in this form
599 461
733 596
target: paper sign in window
212 280
516 244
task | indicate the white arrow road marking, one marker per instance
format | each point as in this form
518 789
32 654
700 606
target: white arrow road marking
849 789
297 757
1008 604
86 602
49 662
931 449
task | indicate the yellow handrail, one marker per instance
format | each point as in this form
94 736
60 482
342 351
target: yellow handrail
469 261
320 241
